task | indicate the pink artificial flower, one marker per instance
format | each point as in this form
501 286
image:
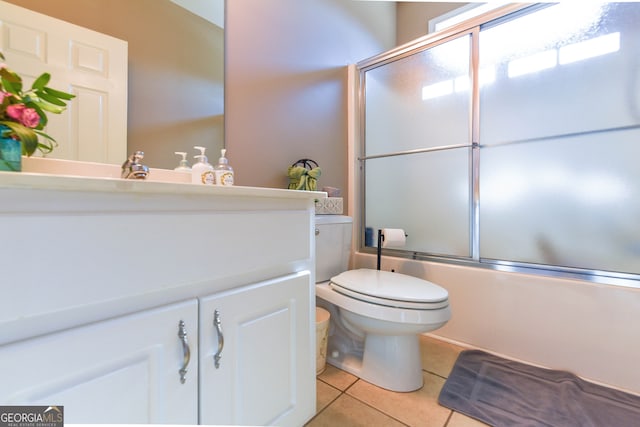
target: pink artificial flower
15 111
30 118
26 116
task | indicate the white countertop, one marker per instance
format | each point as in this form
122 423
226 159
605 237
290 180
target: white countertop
42 181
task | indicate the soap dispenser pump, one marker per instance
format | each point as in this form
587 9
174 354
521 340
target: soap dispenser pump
202 171
224 172
183 166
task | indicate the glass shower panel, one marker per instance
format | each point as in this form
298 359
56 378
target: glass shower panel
425 194
559 132
568 68
572 202
419 101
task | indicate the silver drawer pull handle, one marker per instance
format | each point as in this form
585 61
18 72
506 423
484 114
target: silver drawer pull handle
218 325
186 353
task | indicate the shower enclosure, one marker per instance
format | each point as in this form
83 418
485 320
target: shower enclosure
511 141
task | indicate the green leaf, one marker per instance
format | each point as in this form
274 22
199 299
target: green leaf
51 99
11 81
9 75
8 86
58 94
27 136
41 81
39 132
46 147
48 107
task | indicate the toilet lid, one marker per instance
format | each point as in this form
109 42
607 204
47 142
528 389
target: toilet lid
390 289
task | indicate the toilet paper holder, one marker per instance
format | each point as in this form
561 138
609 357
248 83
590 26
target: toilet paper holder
380 240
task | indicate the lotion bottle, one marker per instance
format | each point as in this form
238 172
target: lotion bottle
224 172
202 171
184 165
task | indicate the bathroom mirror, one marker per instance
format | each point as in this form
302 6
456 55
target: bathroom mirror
175 69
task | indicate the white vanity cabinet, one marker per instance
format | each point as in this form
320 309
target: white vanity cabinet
118 371
100 275
253 354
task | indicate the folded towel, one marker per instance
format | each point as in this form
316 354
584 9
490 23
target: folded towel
301 178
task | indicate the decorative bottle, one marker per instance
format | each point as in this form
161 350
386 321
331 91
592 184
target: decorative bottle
224 172
202 171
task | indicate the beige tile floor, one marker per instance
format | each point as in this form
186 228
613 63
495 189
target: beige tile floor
344 400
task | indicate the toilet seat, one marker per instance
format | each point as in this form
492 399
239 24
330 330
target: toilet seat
390 289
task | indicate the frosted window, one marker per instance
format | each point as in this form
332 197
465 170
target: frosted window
559 135
425 194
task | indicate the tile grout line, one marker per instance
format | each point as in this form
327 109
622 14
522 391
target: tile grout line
435 374
328 404
332 401
448 419
446 423
344 392
370 406
325 408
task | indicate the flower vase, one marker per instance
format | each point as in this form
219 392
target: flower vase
10 155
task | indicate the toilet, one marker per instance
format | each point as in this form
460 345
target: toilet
375 316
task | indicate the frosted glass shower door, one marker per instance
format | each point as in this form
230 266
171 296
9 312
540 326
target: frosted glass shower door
559 132
413 105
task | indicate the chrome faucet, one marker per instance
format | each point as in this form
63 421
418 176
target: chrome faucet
133 169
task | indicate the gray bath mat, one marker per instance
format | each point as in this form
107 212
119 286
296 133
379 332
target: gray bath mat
502 392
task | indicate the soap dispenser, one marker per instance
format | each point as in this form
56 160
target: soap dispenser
202 171
183 166
224 172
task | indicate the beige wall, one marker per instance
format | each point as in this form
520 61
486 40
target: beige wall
286 82
286 79
176 71
286 76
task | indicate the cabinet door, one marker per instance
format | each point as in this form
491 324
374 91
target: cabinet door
266 372
119 371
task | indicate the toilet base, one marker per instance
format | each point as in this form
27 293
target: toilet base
390 362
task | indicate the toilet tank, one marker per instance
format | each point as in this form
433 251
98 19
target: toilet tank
333 245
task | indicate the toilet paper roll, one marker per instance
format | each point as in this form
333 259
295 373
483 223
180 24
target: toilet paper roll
393 238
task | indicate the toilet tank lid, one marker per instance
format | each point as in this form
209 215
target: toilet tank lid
391 286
